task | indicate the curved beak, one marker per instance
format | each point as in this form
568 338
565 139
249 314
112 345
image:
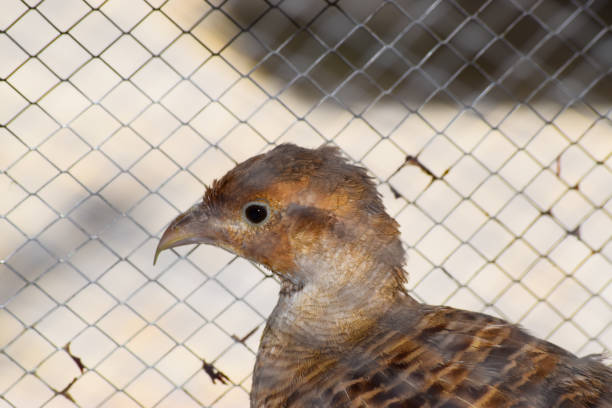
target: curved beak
194 226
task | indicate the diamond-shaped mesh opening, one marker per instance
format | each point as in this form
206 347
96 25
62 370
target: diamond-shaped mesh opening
488 127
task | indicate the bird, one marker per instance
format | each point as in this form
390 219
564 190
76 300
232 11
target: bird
345 331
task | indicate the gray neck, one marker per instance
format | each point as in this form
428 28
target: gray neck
333 298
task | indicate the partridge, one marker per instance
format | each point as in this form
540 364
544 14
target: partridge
345 332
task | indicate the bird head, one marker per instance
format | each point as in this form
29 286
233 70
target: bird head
291 209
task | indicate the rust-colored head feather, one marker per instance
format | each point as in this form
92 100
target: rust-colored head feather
317 192
324 172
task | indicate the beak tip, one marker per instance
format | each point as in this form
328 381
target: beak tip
155 257
163 244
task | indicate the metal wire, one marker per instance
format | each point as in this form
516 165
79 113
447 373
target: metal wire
487 125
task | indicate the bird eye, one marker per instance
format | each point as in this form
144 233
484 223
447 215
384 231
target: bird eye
256 213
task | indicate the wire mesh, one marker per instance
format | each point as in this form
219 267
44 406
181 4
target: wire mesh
487 125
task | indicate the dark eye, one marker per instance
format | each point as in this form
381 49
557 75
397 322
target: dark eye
256 213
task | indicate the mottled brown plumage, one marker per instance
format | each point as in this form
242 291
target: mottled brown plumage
345 333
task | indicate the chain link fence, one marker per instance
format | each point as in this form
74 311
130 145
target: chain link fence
486 123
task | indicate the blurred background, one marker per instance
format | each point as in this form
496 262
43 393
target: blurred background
487 125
